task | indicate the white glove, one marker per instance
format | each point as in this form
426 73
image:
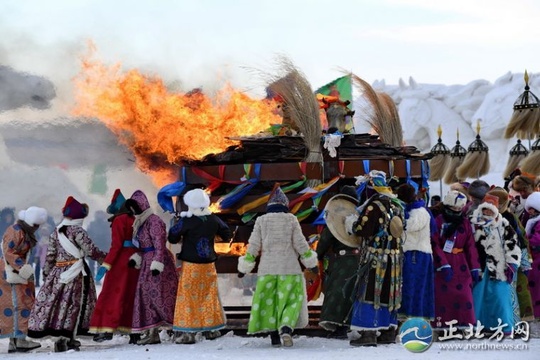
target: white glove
26 271
350 220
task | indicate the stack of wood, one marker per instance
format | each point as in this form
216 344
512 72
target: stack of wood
271 149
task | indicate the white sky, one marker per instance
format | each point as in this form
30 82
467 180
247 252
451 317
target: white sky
200 41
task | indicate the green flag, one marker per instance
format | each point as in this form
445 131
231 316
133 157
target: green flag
340 88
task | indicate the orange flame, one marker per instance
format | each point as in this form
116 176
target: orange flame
162 128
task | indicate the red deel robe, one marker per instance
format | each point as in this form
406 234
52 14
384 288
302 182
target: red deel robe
114 307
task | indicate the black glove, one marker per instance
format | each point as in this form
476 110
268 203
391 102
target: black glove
155 272
132 263
241 275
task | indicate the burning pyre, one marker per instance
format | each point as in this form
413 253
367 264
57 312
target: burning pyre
164 128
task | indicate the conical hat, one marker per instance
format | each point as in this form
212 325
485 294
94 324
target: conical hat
336 211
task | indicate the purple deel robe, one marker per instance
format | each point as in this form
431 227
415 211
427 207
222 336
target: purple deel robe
453 299
155 296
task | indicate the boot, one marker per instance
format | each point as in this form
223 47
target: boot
339 333
133 338
60 345
73 344
368 338
151 339
211 335
21 345
12 347
286 336
387 336
103 337
185 338
275 339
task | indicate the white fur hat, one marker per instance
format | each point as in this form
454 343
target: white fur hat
33 216
198 202
197 198
533 201
455 199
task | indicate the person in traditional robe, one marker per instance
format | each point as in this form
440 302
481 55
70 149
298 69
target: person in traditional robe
155 296
532 229
17 289
67 297
342 265
279 303
418 298
500 257
114 307
523 305
198 305
455 258
379 224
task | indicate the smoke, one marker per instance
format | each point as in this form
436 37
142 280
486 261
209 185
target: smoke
21 89
35 76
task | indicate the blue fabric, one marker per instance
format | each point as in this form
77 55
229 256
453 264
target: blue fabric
101 273
166 193
448 273
148 249
410 181
365 316
238 193
418 293
493 300
475 273
320 219
128 244
414 205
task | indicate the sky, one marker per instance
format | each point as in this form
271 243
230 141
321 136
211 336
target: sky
205 42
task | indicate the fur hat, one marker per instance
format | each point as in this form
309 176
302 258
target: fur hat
117 201
461 187
491 199
33 216
478 189
278 197
502 195
490 202
197 198
455 199
522 183
74 209
406 193
533 201
197 201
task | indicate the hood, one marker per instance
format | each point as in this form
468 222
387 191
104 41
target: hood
141 200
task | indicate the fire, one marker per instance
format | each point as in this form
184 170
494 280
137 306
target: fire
160 127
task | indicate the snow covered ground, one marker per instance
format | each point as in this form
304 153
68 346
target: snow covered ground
232 347
236 347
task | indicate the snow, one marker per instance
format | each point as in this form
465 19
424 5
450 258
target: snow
235 347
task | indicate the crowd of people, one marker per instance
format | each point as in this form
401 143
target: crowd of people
469 259
467 263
